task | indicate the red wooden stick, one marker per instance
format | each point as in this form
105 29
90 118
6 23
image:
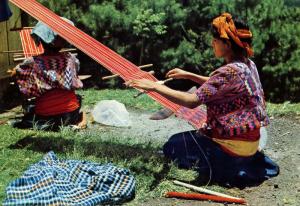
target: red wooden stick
196 196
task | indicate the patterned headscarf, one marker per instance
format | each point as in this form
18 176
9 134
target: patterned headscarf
226 28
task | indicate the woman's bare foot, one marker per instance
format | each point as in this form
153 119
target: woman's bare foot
83 122
163 113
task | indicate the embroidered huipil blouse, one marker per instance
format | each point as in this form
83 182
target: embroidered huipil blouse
235 107
52 79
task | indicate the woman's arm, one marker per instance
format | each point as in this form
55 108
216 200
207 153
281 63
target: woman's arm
181 74
197 78
182 98
207 92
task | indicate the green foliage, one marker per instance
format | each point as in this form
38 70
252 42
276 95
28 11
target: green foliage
173 33
277 48
147 23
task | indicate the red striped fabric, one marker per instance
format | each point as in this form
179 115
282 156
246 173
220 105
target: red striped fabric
55 102
104 56
28 45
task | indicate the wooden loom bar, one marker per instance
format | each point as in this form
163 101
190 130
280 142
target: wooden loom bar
20 28
200 189
117 75
159 82
197 196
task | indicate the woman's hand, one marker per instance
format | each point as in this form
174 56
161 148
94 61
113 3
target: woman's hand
12 72
177 74
143 84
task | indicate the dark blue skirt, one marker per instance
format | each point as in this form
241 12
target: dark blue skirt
190 150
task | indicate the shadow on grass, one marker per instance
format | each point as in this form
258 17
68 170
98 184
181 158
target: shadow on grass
104 149
44 144
139 158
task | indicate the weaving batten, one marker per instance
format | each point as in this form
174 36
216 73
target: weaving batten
102 54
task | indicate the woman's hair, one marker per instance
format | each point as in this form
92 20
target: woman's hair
50 47
239 24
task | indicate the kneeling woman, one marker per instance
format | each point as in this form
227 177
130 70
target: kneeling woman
51 78
227 149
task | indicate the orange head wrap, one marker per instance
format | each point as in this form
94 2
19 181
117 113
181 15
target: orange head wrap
226 28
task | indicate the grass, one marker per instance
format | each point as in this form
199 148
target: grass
21 148
285 109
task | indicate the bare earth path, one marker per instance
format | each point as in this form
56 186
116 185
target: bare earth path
283 147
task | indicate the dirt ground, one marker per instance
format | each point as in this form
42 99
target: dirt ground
283 147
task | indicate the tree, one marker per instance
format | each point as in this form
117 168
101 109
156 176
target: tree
176 33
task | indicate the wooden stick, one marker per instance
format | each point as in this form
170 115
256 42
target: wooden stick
145 66
83 77
110 77
22 58
200 189
18 55
22 52
68 49
159 82
196 196
19 59
20 28
116 75
164 81
12 51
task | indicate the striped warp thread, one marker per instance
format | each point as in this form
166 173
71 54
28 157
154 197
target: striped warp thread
29 47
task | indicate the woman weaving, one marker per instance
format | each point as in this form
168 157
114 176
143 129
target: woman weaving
51 78
227 148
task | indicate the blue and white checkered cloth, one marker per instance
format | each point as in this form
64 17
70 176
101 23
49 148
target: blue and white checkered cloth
70 182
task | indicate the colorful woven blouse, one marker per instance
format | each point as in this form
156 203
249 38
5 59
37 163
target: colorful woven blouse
235 106
42 73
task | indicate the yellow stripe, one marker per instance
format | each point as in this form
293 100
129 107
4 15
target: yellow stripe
239 147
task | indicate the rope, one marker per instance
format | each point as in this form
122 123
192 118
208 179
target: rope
206 159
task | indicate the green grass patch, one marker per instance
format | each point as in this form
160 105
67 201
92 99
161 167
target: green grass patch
21 148
285 109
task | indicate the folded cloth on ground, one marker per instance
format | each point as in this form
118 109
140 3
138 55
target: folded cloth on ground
70 182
